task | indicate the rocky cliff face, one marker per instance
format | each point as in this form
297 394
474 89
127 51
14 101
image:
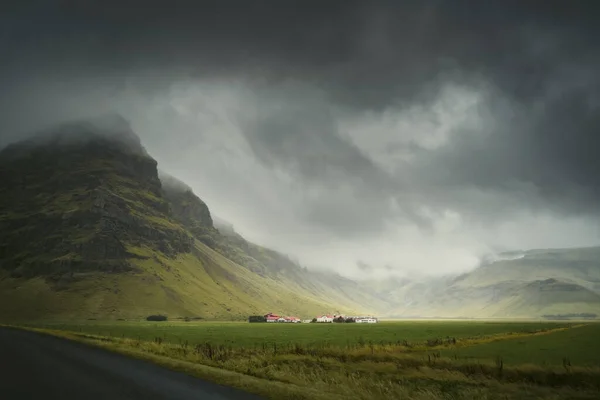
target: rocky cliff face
74 202
189 210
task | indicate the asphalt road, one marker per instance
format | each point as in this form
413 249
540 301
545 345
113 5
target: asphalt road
36 366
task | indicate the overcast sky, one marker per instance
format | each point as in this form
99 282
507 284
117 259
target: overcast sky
366 137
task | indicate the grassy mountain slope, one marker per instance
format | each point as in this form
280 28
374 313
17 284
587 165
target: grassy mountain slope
87 230
200 284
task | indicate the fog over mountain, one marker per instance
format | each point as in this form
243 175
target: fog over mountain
371 138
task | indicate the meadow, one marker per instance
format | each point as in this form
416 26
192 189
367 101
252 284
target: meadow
404 359
247 335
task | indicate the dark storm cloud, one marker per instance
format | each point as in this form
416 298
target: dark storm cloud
551 143
343 97
299 133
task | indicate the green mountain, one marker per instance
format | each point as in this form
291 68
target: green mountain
89 229
530 284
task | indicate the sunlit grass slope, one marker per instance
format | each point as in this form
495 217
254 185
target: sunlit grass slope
202 284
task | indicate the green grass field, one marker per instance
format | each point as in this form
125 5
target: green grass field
581 346
242 334
407 359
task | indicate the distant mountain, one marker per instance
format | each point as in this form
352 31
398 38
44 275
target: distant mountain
89 229
527 284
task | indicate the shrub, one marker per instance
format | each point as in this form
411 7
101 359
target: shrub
156 318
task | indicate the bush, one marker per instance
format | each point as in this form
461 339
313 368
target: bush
257 318
156 318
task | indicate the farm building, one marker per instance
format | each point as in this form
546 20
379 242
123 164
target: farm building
366 320
325 318
270 317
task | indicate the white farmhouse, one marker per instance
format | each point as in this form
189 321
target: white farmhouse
325 318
